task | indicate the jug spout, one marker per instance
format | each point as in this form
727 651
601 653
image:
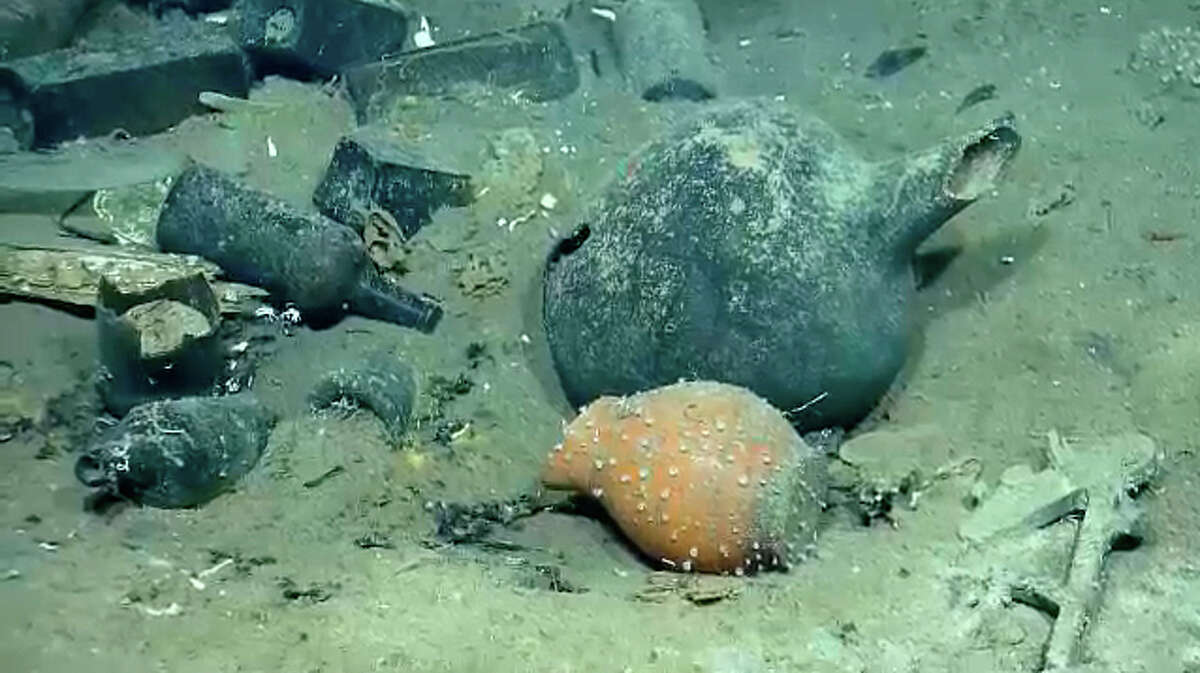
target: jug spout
921 191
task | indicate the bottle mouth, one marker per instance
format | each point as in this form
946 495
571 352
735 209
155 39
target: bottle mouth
90 472
984 161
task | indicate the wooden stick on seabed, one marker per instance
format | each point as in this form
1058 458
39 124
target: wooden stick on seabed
72 275
1110 473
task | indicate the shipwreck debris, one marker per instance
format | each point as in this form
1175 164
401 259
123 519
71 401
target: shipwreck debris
1100 481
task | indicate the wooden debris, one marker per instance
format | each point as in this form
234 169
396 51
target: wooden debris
1098 480
72 275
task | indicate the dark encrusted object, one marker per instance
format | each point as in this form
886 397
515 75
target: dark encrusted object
143 86
160 7
467 523
317 38
303 258
893 61
370 168
147 351
178 453
662 51
534 60
751 247
379 297
382 383
30 27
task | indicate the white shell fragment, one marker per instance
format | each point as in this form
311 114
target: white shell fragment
423 38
